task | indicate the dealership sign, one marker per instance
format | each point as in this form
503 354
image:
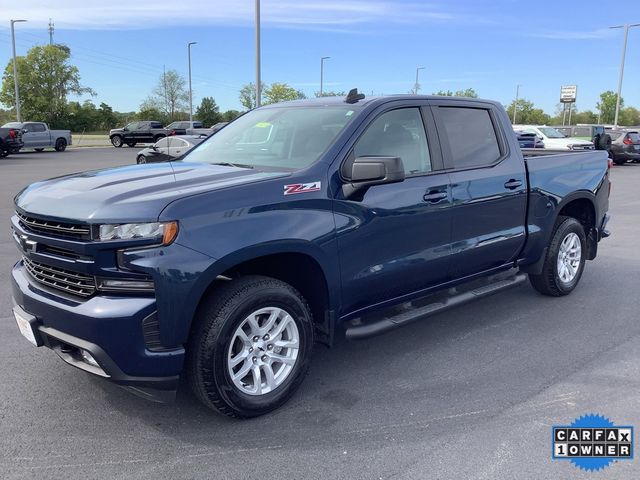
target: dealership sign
568 93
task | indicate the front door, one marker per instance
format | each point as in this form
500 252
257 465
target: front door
395 239
488 187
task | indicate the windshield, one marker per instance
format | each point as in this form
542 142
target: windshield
551 132
12 125
284 137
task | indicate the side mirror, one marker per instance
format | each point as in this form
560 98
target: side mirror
25 130
154 148
369 171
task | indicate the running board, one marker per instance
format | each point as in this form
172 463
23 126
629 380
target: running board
371 328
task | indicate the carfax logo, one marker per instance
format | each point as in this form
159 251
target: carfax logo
592 442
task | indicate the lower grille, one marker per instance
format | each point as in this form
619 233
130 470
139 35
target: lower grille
60 279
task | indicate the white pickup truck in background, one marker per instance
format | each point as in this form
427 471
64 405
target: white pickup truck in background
554 139
37 135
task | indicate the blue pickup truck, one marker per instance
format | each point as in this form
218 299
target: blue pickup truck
298 223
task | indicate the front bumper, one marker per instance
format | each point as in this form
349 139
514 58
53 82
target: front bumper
108 327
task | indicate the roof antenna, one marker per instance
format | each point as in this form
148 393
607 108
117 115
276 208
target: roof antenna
353 96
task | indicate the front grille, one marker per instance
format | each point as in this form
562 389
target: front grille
61 279
48 227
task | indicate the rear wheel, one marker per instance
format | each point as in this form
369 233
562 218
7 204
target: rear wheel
564 263
61 145
4 153
251 346
116 141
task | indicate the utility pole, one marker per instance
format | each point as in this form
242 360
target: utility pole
164 82
322 59
51 29
515 104
190 92
417 85
15 69
258 81
624 51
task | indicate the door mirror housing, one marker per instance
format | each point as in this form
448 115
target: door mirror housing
154 148
369 171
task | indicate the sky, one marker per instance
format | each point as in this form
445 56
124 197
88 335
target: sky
122 46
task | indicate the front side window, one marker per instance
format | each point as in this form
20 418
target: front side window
470 135
398 133
278 137
131 126
37 127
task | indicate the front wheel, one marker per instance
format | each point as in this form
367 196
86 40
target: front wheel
564 263
116 141
61 145
141 159
251 346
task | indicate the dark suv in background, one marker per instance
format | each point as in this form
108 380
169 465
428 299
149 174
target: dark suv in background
146 131
625 146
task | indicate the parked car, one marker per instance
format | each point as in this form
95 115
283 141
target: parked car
10 140
219 126
294 223
137 132
596 134
528 140
168 148
38 136
625 146
553 139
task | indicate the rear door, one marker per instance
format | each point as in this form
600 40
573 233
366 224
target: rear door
394 239
488 186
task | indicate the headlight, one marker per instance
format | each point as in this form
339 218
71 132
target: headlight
165 232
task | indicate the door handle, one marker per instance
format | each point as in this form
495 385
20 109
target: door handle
434 196
512 184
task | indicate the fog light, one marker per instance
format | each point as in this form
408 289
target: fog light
88 358
120 285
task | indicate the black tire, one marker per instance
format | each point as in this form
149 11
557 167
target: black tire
618 161
39 149
131 144
141 159
116 141
217 320
604 142
61 145
549 281
15 150
4 153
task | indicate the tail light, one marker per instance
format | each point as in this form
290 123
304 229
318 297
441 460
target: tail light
12 133
627 141
172 132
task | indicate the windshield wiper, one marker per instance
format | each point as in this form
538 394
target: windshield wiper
229 164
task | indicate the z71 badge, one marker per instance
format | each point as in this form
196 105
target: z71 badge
301 188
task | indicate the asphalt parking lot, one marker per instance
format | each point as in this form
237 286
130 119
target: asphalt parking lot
468 394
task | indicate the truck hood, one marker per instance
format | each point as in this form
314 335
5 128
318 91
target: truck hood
564 142
130 193
116 130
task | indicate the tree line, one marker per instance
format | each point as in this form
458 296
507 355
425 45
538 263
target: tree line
47 78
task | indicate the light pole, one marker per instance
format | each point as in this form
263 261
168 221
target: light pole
15 69
515 104
190 92
624 51
258 81
322 59
417 85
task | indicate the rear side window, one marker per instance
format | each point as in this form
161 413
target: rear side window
614 135
470 135
634 137
197 125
